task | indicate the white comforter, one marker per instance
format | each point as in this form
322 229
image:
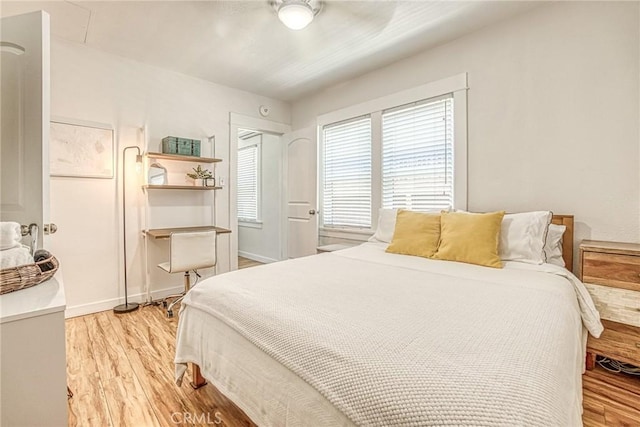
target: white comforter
398 340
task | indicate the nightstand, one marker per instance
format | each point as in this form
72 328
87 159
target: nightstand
611 273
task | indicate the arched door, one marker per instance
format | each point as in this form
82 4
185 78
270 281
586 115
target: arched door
302 214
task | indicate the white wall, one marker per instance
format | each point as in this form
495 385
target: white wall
552 112
90 85
263 244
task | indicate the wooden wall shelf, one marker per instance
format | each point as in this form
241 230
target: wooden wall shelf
180 187
182 158
156 235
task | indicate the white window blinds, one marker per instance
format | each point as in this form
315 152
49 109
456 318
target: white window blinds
346 167
248 158
417 155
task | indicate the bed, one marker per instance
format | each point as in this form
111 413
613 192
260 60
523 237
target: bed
364 337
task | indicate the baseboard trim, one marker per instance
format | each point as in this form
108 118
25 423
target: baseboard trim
104 305
254 257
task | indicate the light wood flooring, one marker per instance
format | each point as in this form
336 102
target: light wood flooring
246 262
120 369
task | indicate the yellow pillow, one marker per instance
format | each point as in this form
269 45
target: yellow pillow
470 237
416 233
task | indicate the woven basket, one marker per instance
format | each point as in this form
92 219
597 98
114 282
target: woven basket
26 276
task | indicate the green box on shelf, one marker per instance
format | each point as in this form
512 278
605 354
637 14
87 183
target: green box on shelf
195 147
170 145
182 146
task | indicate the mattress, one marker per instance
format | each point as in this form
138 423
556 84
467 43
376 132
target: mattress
368 338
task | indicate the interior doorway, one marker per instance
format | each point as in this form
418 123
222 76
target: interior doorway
294 189
259 195
257 205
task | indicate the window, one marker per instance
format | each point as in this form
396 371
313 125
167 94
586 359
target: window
405 150
417 156
346 165
248 183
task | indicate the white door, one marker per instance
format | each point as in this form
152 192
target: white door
302 215
24 120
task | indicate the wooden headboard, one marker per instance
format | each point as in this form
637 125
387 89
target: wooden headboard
567 239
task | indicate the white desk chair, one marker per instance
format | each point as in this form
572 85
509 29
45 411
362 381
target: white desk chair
188 252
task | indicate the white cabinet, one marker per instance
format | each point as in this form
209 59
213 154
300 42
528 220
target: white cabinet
33 379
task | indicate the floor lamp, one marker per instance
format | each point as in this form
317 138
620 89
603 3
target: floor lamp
127 306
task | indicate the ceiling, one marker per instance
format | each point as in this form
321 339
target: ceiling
243 45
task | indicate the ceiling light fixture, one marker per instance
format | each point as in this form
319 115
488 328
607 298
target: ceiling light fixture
296 14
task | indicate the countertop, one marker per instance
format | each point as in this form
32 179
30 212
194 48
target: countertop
38 300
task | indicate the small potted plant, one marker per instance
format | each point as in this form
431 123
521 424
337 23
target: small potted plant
199 175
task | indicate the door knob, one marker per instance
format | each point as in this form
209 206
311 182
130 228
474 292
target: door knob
50 228
26 230
312 212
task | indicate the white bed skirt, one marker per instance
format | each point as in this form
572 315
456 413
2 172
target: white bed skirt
269 393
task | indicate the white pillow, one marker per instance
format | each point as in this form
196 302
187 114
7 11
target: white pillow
386 226
523 235
553 245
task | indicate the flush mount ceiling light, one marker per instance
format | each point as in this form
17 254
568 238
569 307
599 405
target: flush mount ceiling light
297 14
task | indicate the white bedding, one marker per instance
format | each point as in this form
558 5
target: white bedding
392 340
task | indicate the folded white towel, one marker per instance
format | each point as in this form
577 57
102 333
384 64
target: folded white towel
15 257
10 235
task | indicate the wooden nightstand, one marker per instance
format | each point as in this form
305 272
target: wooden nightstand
611 273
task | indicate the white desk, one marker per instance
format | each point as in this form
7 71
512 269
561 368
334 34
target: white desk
33 377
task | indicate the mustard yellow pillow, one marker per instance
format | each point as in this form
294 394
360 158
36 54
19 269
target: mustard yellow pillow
470 237
416 233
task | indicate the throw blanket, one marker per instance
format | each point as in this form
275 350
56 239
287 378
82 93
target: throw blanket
398 340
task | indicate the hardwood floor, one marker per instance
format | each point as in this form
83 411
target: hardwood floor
120 369
246 262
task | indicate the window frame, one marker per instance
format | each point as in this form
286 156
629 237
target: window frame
456 86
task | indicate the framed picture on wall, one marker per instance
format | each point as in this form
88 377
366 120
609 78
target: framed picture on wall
81 149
